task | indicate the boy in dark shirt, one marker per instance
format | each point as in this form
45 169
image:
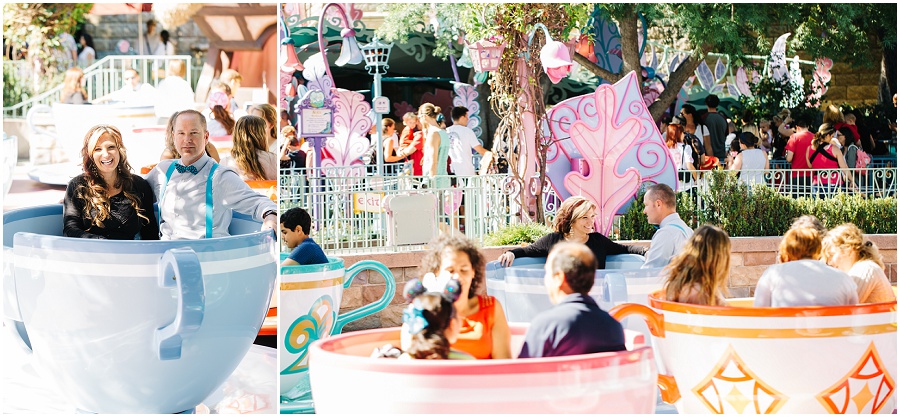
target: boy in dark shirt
295 225
575 325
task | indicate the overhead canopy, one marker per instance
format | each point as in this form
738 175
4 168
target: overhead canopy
242 32
105 9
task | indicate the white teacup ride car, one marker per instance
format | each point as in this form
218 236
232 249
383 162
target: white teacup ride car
520 287
134 326
144 140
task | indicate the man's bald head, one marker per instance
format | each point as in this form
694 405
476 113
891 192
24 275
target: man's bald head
576 262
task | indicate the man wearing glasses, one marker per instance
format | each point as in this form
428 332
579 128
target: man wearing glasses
133 91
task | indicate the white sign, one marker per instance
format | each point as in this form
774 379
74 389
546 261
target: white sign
382 105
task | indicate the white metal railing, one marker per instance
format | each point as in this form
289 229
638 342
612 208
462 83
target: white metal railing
799 183
342 226
477 205
106 76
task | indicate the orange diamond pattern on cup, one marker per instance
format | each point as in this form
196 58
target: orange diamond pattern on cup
731 387
867 387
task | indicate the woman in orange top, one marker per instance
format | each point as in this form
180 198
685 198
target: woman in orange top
485 332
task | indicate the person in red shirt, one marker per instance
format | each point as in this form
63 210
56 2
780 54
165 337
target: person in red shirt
412 142
796 150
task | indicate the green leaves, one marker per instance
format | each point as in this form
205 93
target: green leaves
516 234
762 211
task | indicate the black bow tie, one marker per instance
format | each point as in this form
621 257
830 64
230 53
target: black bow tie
181 168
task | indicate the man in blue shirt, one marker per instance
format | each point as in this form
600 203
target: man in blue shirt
575 325
295 225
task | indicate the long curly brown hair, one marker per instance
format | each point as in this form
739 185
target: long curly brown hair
249 137
270 114
432 260
93 191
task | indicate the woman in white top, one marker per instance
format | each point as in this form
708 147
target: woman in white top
249 156
845 248
801 280
87 55
681 154
751 162
165 46
391 142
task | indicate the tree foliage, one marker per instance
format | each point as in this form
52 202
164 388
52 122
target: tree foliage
38 25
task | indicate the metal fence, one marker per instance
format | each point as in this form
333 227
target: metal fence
869 182
348 216
106 76
345 202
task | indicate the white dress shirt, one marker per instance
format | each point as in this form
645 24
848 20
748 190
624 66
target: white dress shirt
667 241
804 283
183 207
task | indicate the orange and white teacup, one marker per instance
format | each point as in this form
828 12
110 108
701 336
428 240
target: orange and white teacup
747 360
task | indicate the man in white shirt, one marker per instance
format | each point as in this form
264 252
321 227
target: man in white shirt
659 206
195 194
462 142
174 93
151 38
133 92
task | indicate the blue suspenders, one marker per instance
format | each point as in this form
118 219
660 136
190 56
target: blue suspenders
209 199
686 233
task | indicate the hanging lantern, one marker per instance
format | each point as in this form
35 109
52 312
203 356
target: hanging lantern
485 55
288 61
350 53
556 60
376 55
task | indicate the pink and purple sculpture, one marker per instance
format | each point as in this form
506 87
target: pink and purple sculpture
605 145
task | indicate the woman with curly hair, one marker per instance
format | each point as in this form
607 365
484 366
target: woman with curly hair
485 333
574 223
249 156
107 201
698 274
270 115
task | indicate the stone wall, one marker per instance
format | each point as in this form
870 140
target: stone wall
109 30
750 256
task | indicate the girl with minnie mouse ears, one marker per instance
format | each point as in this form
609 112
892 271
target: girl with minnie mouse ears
430 324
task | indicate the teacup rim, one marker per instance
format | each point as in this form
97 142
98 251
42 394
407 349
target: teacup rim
657 301
332 265
457 367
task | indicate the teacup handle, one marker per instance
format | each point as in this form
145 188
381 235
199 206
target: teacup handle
389 288
656 323
180 267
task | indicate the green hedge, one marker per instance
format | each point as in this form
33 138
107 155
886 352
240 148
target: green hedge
762 211
516 234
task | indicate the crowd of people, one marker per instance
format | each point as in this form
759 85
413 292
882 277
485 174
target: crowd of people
825 158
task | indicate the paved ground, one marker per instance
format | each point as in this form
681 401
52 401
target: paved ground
25 192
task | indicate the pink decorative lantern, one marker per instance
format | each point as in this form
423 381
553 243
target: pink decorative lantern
485 55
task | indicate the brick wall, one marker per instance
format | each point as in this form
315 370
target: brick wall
750 256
